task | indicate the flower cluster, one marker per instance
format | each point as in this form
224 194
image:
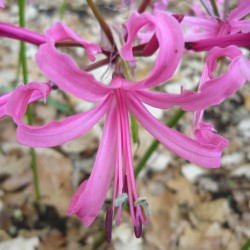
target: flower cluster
164 32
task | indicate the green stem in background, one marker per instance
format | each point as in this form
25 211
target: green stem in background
215 8
23 63
207 8
246 246
101 21
141 164
100 240
62 9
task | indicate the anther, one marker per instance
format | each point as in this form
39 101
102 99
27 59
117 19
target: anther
142 201
108 225
121 199
138 227
125 185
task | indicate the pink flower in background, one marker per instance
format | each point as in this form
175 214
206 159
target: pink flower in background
199 28
2 4
116 101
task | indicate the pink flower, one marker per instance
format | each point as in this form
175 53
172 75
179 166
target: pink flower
114 156
2 4
212 26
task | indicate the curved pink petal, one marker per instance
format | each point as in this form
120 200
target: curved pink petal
206 153
166 100
212 91
60 32
240 11
170 39
239 26
3 101
62 69
232 52
196 28
205 134
53 133
36 95
90 196
23 95
244 64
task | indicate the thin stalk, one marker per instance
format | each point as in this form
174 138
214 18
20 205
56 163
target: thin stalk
62 9
25 80
100 240
207 8
215 8
143 6
141 164
246 246
96 65
102 22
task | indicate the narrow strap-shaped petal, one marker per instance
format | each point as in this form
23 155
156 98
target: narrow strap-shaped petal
36 95
196 28
23 95
240 26
239 39
62 69
3 101
245 67
88 201
170 39
240 11
205 153
212 91
53 133
166 100
60 32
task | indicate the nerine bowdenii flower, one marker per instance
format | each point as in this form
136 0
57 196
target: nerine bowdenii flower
115 101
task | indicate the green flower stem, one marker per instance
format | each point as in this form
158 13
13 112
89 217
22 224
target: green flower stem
101 21
215 8
23 63
100 240
246 246
62 9
141 164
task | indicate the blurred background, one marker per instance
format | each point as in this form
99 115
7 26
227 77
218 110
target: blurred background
193 208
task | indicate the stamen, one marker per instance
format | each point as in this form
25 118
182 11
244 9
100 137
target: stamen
125 185
142 201
138 227
108 225
121 199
